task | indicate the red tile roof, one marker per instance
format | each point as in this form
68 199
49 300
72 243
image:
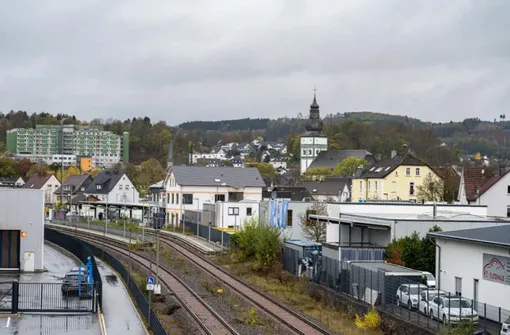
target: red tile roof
478 179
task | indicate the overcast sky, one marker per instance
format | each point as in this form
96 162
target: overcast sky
183 60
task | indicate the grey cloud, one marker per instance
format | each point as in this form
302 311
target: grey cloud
198 59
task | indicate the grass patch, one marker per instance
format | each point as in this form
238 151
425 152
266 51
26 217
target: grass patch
293 292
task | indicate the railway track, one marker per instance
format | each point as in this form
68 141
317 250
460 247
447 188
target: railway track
296 322
208 320
293 320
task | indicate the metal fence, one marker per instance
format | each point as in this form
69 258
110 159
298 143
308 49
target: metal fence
386 292
50 297
208 232
140 298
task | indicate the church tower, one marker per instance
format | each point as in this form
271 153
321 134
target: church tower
312 141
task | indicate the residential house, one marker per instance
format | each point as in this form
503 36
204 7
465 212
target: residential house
157 191
73 190
113 187
393 179
214 155
237 162
189 187
45 182
472 181
12 182
278 162
480 186
332 189
331 158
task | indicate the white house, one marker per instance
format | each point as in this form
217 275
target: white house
219 155
475 263
482 187
113 187
189 187
48 183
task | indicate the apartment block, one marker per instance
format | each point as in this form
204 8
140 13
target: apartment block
65 144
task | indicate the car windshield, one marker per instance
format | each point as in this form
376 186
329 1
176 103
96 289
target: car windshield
72 277
508 320
458 303
430 276
417 289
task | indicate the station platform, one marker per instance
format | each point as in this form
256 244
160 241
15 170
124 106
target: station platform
146 235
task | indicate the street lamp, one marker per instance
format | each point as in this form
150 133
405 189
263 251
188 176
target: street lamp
62 165
198 215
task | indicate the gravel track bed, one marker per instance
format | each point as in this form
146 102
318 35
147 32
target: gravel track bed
236 310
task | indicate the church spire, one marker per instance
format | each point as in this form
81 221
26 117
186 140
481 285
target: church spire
314 122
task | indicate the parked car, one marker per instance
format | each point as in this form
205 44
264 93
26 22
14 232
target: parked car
426 298
409 295
79 269
505 328
452 309
72 282
431 280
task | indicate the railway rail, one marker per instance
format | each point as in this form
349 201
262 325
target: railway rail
208 320
293 320
297 323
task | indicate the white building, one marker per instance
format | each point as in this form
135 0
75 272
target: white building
190 187
218 155
48 183
313 141
113 187
475 263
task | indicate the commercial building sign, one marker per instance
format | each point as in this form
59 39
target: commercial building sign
496 268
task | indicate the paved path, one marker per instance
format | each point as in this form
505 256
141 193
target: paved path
121 316
57 265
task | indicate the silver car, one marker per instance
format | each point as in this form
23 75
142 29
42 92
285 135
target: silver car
505 328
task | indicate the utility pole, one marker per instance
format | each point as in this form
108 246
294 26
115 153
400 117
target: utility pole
62 166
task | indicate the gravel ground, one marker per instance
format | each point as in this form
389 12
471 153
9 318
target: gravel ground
234 309
175 319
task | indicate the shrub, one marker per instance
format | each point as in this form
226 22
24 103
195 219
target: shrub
258 242
371 320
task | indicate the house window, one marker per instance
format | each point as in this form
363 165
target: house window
289 218
248 211
408 171
361 186
508 211
187 199
120 187
411 188
219 197
417 172
368 186
304 152
310 152
508 189
376 186
173 198
177 199
233 211
458 286
98 187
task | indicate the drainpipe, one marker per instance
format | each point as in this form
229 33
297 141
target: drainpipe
438 274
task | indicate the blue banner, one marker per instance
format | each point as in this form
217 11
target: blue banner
273 208
285 207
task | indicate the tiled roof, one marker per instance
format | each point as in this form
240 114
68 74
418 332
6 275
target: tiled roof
107 180
37 181
206 176
383 168
285 192
478 179
330 158
331 186
76 181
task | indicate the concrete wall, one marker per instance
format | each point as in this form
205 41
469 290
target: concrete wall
465 260
225 213
388 208
23 209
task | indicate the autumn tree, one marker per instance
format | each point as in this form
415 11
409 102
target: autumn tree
432 189
23 167
318 173
314 230
266 170
7 167
349 166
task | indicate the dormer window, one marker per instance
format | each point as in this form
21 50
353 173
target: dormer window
99 187
82 189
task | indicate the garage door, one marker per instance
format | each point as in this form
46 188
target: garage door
9 249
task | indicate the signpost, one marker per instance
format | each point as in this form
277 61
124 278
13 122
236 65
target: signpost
150 288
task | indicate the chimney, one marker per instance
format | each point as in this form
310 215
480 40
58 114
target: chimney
393 154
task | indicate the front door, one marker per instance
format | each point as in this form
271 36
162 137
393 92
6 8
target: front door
9 249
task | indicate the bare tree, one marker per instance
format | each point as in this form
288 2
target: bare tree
432 189
313 229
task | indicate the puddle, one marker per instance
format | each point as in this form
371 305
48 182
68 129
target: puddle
111 279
